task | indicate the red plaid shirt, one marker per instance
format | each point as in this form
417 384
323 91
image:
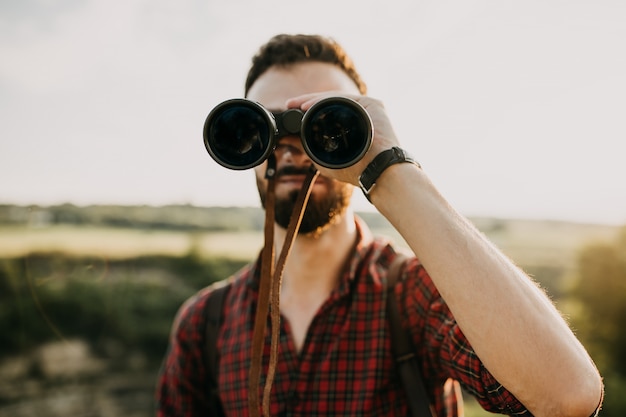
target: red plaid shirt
345 366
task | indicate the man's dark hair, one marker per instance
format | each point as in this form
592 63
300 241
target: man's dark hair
285 50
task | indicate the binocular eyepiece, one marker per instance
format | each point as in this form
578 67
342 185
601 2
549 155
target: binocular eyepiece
336 132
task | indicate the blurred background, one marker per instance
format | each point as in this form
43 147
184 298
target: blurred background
112 213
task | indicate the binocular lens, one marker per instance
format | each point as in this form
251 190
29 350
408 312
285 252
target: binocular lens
237 134
336 132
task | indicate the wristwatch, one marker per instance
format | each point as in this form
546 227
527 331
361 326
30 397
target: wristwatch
380 163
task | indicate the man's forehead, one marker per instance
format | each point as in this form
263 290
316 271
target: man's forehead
278 84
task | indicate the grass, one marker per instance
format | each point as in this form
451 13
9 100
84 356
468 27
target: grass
126 243
535 245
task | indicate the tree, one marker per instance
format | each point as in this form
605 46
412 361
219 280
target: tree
600 292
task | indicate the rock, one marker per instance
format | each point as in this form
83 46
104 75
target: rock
67 359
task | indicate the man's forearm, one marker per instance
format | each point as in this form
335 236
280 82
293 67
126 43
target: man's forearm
512 325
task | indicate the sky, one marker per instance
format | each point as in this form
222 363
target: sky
515 109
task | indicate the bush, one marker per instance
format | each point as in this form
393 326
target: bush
130 302
600 293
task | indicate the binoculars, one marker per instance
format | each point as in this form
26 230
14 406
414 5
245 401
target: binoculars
336 132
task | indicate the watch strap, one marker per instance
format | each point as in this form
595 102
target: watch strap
379 164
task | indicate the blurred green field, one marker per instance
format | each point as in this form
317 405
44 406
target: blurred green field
122 243
527 242
129 231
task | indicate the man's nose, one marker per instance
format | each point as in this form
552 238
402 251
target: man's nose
288 152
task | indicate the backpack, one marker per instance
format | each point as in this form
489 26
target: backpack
406 361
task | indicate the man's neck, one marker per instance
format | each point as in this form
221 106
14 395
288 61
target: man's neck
316 260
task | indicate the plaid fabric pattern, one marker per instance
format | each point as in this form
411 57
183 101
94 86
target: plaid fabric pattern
345 367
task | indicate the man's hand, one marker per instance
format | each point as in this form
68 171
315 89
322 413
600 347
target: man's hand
384 136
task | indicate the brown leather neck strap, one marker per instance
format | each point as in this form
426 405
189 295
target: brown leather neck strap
269 289
262 309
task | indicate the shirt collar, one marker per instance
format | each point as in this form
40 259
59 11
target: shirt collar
363 240
352 270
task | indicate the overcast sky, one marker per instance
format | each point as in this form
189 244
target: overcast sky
514 108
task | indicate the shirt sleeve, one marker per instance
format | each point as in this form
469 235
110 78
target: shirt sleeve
443 348
182 389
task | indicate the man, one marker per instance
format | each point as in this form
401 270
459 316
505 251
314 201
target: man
472 315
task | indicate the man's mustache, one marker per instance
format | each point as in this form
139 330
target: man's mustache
293 170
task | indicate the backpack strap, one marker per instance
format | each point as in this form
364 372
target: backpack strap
213 316
405 360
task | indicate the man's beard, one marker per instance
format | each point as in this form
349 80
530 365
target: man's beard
320 212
